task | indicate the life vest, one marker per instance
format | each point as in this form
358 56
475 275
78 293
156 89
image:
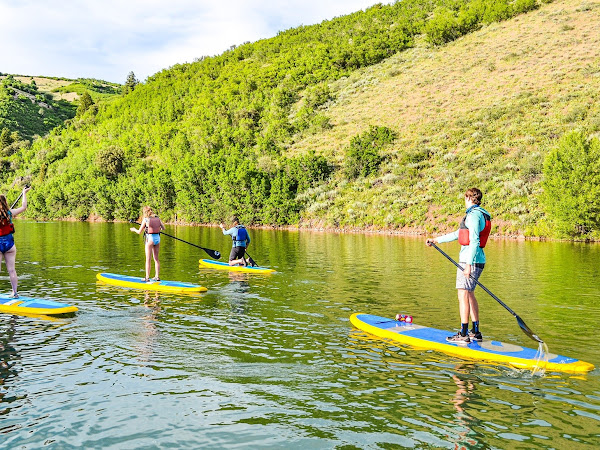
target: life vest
463 231
6 226
240 236
153 225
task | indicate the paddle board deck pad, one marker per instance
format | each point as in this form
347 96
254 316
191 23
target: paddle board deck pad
225 266
139 283
487 350
37 306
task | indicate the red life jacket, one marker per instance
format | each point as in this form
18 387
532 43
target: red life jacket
463 231
6 226
153 226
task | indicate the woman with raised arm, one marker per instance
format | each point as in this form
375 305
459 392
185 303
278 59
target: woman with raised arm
8 250
151 226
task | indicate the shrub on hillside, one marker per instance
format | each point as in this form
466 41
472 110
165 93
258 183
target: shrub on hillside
522 6
110 161
450 23
572 185
363 156
443 27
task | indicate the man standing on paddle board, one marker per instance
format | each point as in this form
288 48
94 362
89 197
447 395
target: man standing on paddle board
241 239
472 235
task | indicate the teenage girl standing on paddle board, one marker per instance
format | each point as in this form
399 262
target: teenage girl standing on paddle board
472 235
7 242
151 226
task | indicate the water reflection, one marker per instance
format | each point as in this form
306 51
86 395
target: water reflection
8 358
237 292
462 401
274 362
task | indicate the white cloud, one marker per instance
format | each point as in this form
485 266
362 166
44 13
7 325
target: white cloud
108 39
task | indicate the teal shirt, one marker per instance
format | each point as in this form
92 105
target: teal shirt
475 222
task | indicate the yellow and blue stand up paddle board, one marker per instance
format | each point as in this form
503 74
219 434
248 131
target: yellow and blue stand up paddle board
225 266
139 283
37 306
486 350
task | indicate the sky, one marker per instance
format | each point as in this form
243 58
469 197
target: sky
107 39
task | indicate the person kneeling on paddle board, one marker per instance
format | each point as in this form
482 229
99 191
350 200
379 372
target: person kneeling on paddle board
241 239
472 235
151 226
8 250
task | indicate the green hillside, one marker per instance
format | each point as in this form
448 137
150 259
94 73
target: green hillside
31 106
367 120
29 111
486 110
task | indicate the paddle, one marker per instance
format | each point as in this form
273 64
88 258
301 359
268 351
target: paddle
522 324
252 262
212 253
18 198
15 202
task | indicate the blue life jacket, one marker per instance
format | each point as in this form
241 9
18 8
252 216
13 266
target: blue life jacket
240 236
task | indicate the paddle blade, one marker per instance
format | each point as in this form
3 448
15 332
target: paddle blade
212 253
527 331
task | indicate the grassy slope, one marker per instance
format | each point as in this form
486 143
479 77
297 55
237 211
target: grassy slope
481 111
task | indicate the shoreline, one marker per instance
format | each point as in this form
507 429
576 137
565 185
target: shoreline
407 232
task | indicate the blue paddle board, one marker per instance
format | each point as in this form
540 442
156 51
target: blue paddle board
487 350
139 283
30 305
225 266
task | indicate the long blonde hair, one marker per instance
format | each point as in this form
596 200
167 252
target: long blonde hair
147 212
4 209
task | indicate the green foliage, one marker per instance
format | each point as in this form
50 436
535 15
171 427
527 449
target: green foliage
202 141
99 88
110 161
572 185
363 156
20 106
130 83
455 19
5 138
85 102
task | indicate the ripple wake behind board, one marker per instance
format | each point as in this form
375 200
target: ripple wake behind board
486 350
225 266
33 306
139 283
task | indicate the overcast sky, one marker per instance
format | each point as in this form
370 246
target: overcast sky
106 39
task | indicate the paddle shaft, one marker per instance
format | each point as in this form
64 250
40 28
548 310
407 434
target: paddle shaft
522 324
250 258
18 198
212 253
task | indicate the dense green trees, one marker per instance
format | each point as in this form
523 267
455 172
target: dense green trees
202 141
572 185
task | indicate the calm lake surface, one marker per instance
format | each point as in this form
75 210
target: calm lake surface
273 361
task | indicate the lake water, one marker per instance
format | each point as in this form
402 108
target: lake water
273 362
